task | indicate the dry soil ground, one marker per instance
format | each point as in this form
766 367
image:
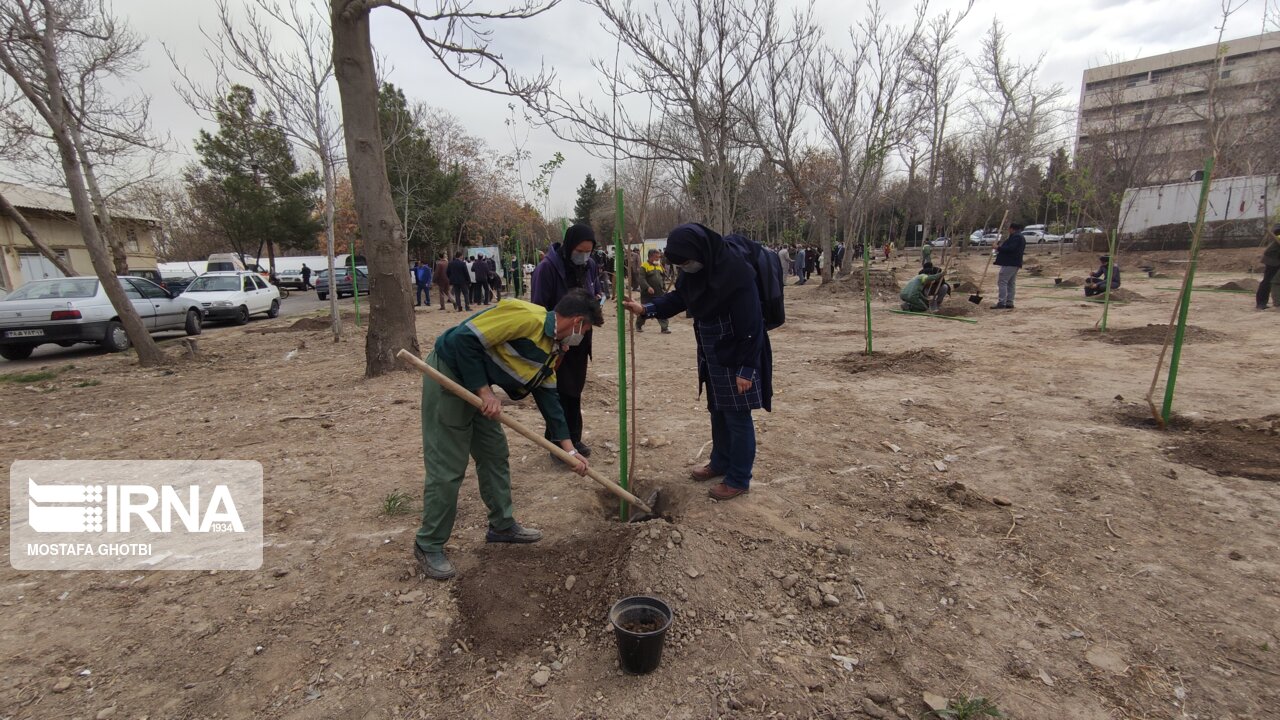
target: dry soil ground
987 506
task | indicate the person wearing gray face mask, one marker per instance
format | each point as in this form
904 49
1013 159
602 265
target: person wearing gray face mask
568 265
735 359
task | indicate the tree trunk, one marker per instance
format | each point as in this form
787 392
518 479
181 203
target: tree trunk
8 210
149 354
119 255
330 197
391 321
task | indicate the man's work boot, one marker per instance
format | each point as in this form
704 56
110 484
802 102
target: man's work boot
723 492
514 534
706 472
583 449
434 564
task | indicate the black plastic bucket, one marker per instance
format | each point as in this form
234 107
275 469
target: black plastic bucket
640 626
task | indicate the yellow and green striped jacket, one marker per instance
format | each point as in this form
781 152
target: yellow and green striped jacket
511 345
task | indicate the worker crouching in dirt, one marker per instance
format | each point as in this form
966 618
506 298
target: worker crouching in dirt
517 346
735 362
925 292
1096 283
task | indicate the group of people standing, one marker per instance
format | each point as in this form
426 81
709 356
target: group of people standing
462 282
542 348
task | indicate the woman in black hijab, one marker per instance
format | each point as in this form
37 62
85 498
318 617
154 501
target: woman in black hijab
735 363
568 265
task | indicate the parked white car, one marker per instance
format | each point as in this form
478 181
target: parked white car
72 310
234 296
1082 231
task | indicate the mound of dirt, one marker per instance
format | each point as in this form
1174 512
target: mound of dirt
519 595
912 362
1248 284
305 324
1149 335
1240 448
1125 295
1075 281
884 284
959 308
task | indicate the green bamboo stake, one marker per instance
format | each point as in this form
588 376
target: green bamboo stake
1184 299
866 288
355 287
619 271
1106 295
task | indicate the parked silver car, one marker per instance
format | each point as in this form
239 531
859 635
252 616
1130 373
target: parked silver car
72 310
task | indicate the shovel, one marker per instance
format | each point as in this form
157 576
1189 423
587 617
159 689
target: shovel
645 508
976 298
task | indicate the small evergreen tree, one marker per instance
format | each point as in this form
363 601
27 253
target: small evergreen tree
247 183
588 194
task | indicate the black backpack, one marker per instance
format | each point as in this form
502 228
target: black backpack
769 280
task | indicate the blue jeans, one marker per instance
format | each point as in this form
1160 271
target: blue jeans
733 446
424 290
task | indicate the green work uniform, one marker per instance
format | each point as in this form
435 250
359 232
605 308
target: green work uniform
510 345
913 295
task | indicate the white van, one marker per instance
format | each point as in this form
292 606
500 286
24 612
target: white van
224 262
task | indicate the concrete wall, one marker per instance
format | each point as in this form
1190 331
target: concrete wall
61 232
1161 217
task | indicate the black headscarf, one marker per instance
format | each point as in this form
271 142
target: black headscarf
576 275
706 293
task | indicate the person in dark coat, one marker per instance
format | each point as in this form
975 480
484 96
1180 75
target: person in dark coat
1096 283
1270 269
440 276
484 294
1009 259
460 282
568 265
735 361
306 278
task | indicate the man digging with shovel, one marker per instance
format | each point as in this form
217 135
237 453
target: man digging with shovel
517 346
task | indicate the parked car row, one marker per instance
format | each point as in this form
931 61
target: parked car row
71 310
344 285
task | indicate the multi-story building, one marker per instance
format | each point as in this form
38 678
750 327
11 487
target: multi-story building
1147 121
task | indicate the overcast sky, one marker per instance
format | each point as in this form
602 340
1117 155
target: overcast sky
1073 36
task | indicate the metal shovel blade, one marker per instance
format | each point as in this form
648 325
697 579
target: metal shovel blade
976 299
653 500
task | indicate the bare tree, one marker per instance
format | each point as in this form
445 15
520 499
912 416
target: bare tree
1018 120
859 94
775 114
458 37
39 40
937 78
110 132
693 60
295 77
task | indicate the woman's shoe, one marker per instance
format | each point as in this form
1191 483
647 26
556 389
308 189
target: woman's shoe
722 492
706 472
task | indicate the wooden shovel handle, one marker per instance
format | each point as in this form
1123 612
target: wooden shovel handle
519 427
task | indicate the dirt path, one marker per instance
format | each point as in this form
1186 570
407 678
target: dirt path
1131 574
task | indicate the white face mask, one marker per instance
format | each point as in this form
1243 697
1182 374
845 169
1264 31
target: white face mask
579 258
575 337
692 266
